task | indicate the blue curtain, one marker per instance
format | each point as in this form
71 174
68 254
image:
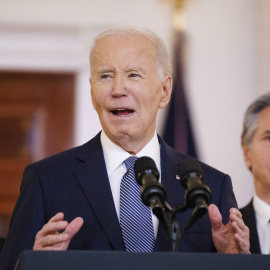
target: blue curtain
178 129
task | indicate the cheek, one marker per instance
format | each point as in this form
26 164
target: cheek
265 160
97 99
151 97
93 101
260 162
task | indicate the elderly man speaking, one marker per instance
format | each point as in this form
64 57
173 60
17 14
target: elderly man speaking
78 199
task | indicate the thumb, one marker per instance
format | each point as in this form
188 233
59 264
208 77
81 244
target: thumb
215 217
73 227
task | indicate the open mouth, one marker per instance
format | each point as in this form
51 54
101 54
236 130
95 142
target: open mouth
122 112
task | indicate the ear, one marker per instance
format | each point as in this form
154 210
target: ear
91 92
246 153
166 91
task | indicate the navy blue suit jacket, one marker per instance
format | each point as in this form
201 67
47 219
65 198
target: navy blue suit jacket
76 183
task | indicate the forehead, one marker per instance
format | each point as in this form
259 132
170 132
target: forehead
124 50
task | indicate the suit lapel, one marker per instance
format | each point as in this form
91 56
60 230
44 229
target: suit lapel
92 177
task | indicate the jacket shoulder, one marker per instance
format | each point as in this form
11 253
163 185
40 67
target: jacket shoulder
64 158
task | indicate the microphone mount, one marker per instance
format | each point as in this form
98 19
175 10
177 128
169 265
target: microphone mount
153 194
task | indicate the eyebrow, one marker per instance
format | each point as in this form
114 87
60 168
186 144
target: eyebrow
267 132
105 70
137 69
127 69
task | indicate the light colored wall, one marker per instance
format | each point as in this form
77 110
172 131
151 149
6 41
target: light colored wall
221 80
222 60
57 35
263 45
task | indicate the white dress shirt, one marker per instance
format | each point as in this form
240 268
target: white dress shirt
262 214
114 158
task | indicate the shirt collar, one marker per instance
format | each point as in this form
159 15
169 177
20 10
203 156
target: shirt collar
114 155
262 210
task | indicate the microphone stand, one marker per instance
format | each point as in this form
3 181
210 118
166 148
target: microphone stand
172 226
153 194
175 234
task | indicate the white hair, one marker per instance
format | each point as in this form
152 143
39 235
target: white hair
164 67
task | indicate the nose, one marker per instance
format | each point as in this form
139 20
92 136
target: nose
119 86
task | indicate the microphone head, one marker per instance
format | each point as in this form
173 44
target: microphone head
187 167
143 166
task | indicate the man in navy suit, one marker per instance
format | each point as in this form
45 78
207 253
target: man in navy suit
256 148
71 200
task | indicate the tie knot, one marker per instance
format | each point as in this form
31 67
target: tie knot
129 162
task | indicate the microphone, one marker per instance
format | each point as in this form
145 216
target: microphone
152 192
147 176
198 195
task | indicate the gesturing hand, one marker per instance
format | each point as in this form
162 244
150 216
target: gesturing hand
232 237
49 237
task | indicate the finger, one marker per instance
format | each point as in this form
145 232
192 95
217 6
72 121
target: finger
239 225
51 241
243 243
215 217
52 228
59 216
236 216
73 227
65 237
240 228
54 248
239 232
236 212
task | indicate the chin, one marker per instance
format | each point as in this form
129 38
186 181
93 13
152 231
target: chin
117 134
123 129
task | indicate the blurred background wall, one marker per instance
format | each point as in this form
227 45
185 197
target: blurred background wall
227 64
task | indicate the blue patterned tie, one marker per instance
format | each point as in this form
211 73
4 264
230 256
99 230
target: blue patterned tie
135 217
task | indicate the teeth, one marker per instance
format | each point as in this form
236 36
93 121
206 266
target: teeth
121 110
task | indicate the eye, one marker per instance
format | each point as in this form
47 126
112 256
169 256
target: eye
266 137
105 76
133 75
